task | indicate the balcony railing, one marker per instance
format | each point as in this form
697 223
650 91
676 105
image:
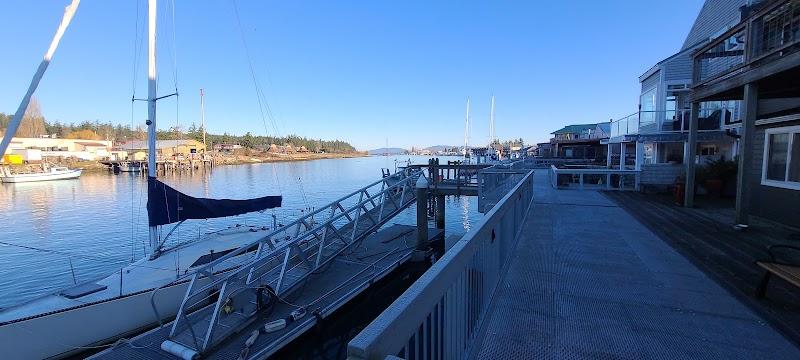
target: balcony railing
725 56
673 121
770 32
628 125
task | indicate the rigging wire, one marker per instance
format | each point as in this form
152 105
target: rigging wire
263 104
135 70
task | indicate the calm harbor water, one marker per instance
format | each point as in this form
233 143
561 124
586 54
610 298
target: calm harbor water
98 223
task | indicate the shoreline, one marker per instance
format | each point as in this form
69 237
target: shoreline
219 160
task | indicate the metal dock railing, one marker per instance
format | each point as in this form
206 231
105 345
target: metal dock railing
439 315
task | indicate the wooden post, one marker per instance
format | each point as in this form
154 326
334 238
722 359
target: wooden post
440 211
748 129
422 213
690 153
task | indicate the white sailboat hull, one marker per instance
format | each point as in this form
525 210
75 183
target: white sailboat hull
63 333
45 176
55 326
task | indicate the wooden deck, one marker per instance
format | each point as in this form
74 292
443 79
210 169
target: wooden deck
705 236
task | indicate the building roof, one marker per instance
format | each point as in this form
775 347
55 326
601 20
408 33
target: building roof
715 17
575 129
160 144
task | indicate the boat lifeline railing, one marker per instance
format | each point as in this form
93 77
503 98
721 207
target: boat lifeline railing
594 178
440 314
284 260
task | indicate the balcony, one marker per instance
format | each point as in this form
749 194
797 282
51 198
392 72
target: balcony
712 117
769 32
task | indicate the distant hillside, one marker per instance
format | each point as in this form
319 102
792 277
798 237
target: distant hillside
390 151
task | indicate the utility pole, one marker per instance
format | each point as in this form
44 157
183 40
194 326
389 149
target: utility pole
203 118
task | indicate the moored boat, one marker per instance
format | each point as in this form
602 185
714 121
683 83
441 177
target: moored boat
143 293
53 173
130 167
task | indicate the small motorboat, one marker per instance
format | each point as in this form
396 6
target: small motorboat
54 173
130 167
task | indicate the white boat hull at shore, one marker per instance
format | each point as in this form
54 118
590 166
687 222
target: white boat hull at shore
64 333
54 174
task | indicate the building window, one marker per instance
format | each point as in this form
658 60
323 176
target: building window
782 158
708 150
649 153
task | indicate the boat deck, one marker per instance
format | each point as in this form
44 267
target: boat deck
142 275
322 294
588 280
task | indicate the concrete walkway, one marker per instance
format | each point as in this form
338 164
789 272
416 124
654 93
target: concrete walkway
589 281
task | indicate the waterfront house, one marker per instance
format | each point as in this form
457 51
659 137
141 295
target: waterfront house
227 148
756 62
577 141
655 138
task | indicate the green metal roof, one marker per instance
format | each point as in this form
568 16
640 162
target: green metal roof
574 129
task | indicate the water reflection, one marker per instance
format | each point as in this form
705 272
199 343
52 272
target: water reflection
101 218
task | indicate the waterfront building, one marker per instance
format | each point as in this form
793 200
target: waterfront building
655 138
577 141
756 63
228 148
137 149
55 147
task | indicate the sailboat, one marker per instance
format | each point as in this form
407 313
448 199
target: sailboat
93 313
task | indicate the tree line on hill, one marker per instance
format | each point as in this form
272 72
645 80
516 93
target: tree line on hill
35 125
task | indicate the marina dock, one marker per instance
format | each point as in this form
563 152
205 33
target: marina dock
535 278
569 290
164 166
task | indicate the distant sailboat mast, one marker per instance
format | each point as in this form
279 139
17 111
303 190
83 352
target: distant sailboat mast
491 124
466 132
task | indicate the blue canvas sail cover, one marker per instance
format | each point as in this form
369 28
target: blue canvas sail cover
166 205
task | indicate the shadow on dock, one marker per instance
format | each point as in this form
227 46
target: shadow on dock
705 236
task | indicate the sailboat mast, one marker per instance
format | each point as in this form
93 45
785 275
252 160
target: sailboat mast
466 131
491 124
203 118
69 12
151 103
151 88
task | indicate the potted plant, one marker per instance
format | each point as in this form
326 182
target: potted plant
717 173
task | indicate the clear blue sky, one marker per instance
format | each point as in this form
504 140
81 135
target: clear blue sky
360 71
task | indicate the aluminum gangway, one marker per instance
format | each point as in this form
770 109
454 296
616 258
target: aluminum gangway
217 306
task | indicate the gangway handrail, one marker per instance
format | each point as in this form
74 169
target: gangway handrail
395 192
207 269
440 313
